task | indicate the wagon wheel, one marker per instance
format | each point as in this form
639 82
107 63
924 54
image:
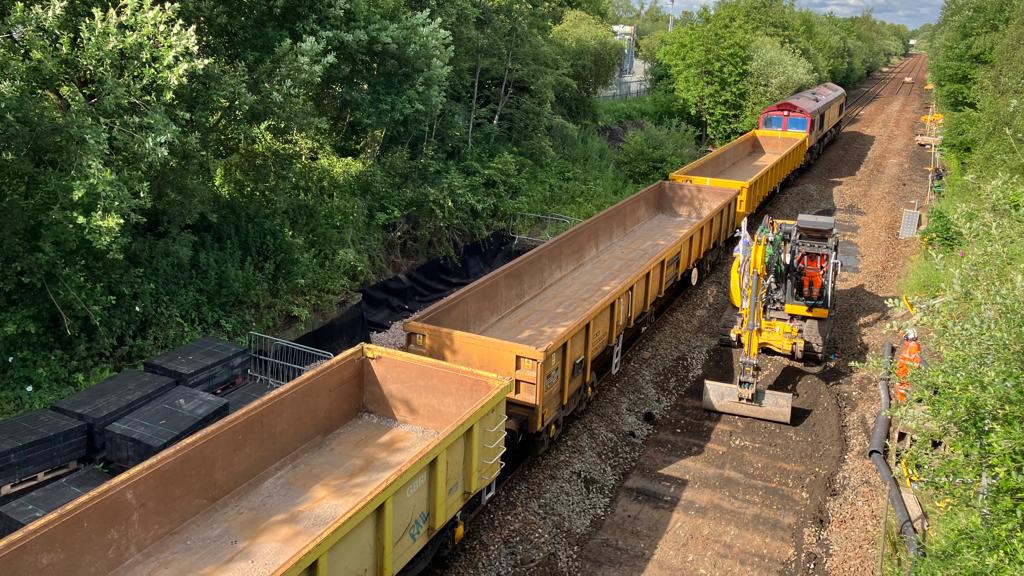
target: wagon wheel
586 394
548 436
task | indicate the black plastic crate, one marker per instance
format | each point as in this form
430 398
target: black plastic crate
247 394
207 364
38 441
159 424
111 399
41 502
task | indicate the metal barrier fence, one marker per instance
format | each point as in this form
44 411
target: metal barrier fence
279 361
623 89
538 228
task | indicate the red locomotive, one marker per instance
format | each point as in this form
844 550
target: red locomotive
818 112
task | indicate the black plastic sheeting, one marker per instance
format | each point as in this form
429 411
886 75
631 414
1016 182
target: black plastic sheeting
397 298
341 333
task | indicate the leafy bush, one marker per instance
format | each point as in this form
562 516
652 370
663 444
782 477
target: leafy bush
648 155
660 107
941 232
971 397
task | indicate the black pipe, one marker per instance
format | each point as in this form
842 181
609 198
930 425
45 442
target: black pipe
876 452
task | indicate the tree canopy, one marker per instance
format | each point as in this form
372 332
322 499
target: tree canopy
727 61
174 169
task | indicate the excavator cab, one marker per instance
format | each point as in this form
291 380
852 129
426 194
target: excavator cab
811 284
783 288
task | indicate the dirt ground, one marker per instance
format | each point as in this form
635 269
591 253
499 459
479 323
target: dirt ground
647 482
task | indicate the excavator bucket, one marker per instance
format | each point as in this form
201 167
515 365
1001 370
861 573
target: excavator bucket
768 405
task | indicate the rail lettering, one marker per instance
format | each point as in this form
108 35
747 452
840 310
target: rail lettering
600 340
416 484
418 525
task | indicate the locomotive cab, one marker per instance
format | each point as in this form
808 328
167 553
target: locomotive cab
785 121
817 112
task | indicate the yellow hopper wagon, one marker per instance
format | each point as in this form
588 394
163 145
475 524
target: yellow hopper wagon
557 317
366 465
754 165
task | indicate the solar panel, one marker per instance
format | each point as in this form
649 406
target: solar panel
908 227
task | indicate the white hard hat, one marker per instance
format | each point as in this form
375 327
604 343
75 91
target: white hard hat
910 334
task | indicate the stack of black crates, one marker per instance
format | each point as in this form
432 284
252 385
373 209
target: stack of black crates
198 369
36 442
173 416
120 422
41 502
110 400
208 364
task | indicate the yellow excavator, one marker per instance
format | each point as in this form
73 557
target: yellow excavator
782 287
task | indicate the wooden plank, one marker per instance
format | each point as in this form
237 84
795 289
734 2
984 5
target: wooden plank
43 476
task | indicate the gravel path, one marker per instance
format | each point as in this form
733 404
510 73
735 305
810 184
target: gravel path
870 202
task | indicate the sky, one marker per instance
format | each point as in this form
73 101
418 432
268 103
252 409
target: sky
913 13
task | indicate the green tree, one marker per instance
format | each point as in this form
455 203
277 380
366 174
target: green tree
591 56
968 32
776 71
91 120
709 61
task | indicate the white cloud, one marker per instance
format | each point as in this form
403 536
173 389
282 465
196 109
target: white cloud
913 14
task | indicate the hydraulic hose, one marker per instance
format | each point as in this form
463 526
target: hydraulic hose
876 452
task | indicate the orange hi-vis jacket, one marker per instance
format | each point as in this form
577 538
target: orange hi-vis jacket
812 266
910 358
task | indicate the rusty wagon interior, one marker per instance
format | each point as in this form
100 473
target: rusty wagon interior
744 158
537 297
248 495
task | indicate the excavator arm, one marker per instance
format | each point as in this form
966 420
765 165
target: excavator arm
745 396
752 280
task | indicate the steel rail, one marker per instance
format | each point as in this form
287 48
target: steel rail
855 107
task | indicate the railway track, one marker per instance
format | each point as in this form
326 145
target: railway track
705 482
865 98
916 74
696 430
